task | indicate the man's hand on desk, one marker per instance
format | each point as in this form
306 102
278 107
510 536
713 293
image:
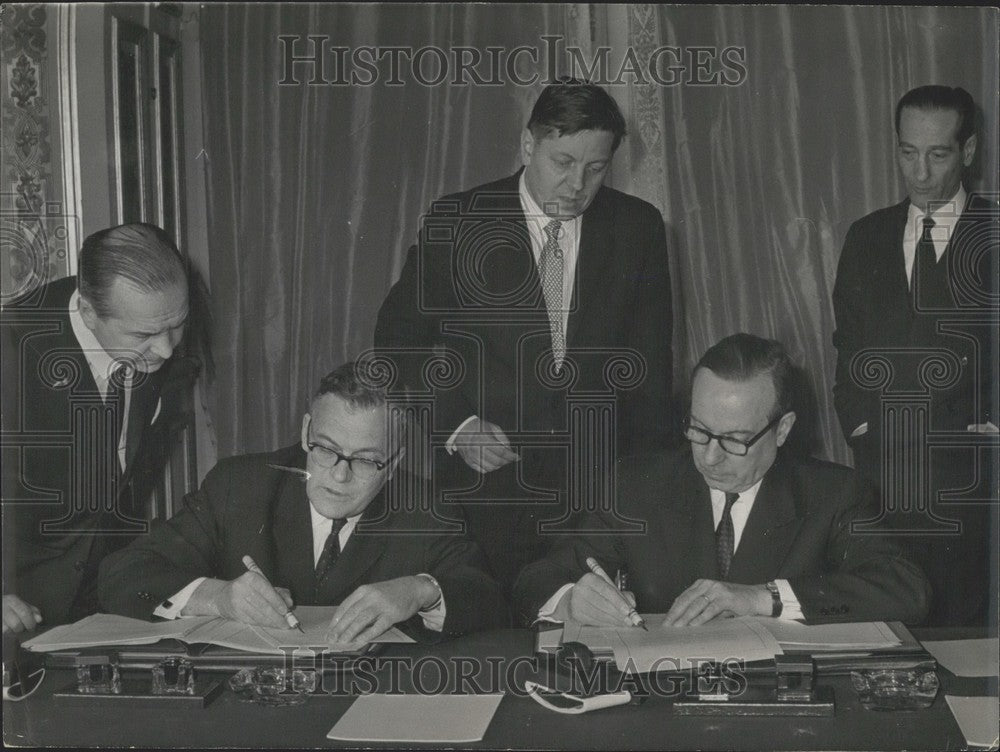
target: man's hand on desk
594 602
18 615
371 609
249 598
484 446
707 599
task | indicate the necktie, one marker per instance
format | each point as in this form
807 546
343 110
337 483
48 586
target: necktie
331 552
924 264
115 401
725 537
551 270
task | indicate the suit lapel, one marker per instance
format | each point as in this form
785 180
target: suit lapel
364 548
594 262
769 532
691 527
291 525
898 285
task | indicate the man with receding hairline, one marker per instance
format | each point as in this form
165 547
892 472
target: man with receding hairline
84 362
730 526
917 289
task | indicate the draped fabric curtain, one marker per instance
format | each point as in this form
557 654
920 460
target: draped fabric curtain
316 191
759 182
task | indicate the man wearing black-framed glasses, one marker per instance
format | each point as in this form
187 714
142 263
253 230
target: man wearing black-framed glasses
318 522
729 526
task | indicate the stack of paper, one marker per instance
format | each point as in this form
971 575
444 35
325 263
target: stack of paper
978 719
99 630
792 635
677 648
967 657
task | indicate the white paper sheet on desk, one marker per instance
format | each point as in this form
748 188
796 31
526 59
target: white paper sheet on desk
430 719
978 719
967 657
677 648
867 635
100 630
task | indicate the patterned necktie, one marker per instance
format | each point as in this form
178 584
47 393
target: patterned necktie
331 551
725 537
551 270
924 264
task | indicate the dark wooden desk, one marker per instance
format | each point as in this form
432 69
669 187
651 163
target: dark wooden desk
519 723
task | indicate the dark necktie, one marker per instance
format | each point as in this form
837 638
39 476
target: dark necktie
115 400
550 267
924 266
725 536
331 551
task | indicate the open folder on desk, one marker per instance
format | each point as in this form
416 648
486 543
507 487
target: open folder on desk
746 639
99 630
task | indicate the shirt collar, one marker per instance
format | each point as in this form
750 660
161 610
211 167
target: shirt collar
945 214
320 522
534 214
101 364
747 495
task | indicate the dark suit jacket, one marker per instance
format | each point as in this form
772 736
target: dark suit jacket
471 285
872 303
245 507
798 530
54 461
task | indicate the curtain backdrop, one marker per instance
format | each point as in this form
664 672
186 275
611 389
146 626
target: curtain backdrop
316 192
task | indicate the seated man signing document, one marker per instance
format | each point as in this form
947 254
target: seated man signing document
729 526
318 522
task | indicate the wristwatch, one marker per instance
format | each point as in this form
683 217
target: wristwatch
776 604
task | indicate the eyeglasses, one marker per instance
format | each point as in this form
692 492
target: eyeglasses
739 447
360 467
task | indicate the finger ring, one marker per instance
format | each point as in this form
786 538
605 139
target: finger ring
707 599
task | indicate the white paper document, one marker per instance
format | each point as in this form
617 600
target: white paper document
967 657
867 635
677 648
979 719
428 719
99 630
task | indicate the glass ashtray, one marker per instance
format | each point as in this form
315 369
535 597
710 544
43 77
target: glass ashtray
895 689
273 686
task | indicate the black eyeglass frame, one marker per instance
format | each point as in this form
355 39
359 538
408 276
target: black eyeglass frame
339 457
731 441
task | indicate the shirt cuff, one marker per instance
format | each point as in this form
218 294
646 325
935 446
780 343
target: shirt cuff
790 607
548 610
434 615
860 430
450 443
171 608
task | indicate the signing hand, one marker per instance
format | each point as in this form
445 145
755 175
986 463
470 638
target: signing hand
19 616
371 609
707 599
594 601
249 599
484 446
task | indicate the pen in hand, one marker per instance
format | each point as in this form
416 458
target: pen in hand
633 615
251 565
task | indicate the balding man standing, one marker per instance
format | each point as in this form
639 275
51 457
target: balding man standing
84 362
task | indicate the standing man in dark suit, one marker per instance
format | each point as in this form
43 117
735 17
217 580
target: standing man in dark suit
729 526
319 521
551 293
916 305
84 361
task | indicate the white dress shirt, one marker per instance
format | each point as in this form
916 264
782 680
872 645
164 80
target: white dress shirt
102 366
433 617
740 512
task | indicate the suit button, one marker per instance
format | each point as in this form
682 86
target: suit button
144 595
79 566
964 360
